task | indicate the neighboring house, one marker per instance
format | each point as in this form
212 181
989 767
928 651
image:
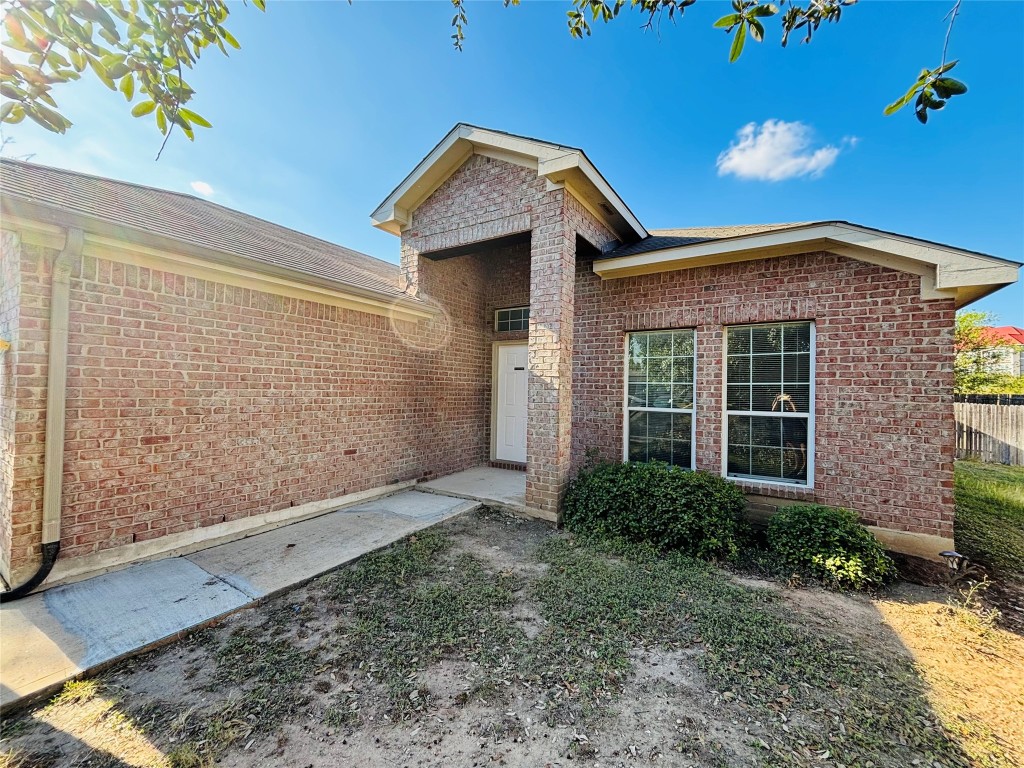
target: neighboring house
1007 354
222 371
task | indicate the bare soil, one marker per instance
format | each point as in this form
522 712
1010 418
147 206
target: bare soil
278 685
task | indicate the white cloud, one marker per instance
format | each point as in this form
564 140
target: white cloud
775 151
202 188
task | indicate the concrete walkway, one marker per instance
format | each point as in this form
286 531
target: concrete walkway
51 637
503 488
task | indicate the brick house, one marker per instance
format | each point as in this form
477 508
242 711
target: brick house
180 373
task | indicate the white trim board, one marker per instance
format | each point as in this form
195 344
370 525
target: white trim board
557 164
946 272
241 273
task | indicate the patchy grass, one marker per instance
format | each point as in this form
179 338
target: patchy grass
411 606
491 640
989 524
267 679
862 709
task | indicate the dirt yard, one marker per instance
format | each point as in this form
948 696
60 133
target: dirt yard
493 641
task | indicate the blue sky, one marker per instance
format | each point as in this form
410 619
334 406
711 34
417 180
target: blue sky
328 106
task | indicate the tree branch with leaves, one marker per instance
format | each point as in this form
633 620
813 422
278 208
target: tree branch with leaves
933 87
144 48
979 354
138 47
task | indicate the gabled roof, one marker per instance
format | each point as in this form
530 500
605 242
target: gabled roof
946 272
1009 334
557 163
54 194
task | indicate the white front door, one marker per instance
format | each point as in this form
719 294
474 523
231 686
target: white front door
510 395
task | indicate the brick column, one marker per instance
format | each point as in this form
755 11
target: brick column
24 322
549 423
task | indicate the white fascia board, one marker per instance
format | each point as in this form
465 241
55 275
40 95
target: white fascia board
118 244
453 150
949 271
553 162
574 163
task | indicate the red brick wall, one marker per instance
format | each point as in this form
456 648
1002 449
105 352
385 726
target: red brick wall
10 302
26 272
884 384
470 289
485 199
191 403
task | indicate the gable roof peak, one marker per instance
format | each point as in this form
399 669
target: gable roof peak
558 163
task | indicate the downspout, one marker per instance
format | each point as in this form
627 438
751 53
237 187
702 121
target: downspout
56 396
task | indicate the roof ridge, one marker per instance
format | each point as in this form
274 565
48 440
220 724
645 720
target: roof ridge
519 136
202 200
663 230
83 174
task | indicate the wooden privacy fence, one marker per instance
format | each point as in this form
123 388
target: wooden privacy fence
990 428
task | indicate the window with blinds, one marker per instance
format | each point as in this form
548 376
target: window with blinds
769 402
660 397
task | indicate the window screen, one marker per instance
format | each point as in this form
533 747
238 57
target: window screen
768 401
660 397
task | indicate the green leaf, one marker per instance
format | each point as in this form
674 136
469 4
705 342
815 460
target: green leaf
46 117
756 29
765 10
101 73
900 103
15 115
117 71
947 86
127 86
77 60
728 21
229 38
737 43
12 92
931 102
143 108
161 120
192 117
95 13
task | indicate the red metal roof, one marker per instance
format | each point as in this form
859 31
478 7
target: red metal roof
1008 333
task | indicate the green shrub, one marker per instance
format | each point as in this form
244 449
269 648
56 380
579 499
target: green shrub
667 507
830 545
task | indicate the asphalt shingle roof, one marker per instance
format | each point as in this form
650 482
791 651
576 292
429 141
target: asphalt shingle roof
189 219
660 239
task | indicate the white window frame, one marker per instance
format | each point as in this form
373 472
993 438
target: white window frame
625 396
726 413
509 309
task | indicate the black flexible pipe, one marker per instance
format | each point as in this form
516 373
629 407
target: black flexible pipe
50 551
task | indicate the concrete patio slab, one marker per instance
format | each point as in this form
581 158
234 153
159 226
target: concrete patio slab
50 637
502 487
